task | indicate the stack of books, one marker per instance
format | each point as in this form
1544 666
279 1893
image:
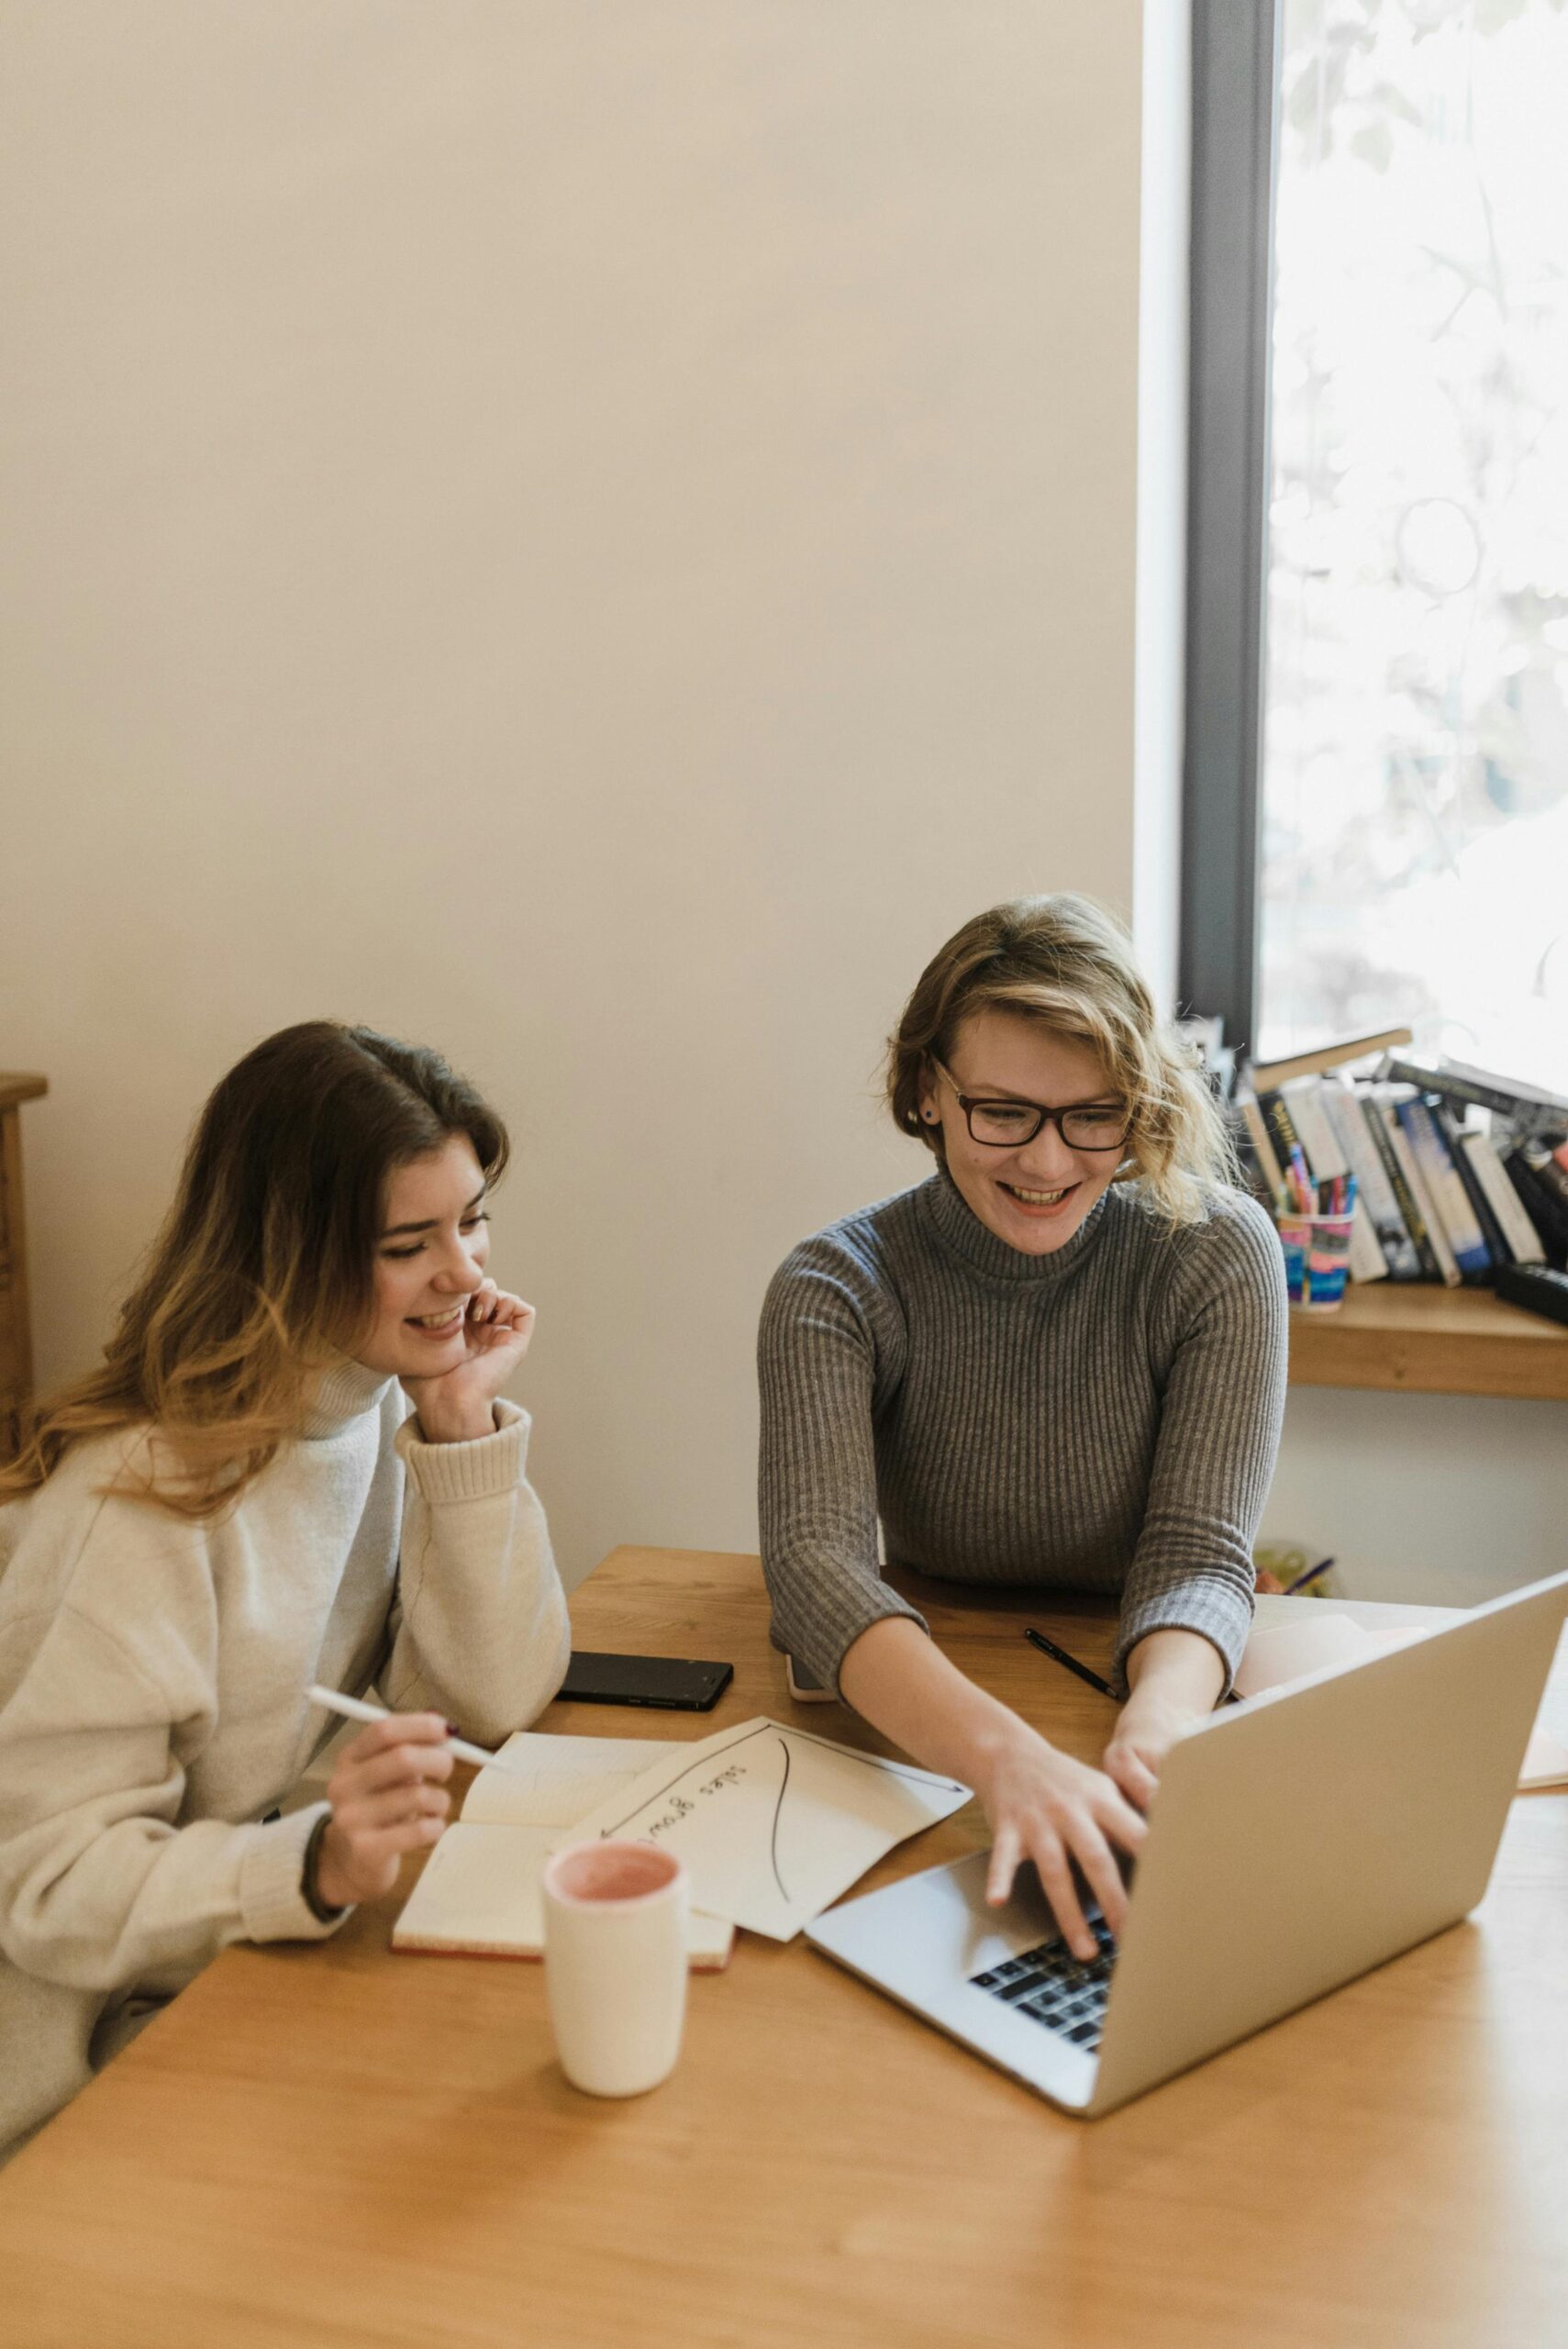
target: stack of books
1457 1171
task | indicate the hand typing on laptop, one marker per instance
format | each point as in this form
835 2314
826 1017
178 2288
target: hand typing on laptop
1045 1806
1041 1804
1294 1846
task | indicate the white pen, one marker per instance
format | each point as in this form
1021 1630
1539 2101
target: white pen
354 1709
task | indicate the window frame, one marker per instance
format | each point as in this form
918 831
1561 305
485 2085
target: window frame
1235 115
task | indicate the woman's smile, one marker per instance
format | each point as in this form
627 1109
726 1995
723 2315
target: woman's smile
1039 1203
441 1324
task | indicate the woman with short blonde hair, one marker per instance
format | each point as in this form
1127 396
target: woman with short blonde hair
1063 961
1060 1361
293 1464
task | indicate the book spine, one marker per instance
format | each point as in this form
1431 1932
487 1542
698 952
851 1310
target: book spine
1523 1239
1263 1147
1536 1107
1374 1195
1304 1100
1448 1195
1409 1212
1552 1175
1266 1076
1253 1179
1473 1090
1491 1231
1540 1206
1418 1135
1281 1129
1320 1140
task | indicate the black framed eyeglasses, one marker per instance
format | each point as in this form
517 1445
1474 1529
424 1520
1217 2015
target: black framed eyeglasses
1007 1125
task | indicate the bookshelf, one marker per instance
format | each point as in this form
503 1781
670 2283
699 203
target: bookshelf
1413 1340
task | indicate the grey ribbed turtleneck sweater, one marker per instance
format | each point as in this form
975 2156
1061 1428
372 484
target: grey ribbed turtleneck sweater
1103 1418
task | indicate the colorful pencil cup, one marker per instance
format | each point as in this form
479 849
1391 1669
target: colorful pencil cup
1316 1251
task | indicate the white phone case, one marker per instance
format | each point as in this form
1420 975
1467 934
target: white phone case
810 1696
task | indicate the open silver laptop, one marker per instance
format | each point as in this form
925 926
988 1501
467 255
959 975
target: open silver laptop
1294 1844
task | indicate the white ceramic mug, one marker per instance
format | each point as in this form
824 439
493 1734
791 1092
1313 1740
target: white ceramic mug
615 1956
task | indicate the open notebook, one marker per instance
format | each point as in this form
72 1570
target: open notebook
1279 1653
479 1894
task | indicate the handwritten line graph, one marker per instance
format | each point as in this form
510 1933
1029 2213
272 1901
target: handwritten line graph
768 1843
708 1761
778 1809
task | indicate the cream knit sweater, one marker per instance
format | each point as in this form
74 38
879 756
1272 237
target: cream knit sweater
152 1704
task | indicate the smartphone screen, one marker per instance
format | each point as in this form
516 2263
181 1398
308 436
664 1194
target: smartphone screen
675 1684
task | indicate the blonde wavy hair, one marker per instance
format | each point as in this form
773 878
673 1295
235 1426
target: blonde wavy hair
264 1273
1062 960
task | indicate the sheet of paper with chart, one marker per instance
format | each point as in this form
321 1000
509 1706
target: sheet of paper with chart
479 1893
772 1822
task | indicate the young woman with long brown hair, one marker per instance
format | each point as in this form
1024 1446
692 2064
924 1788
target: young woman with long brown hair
293 1466
1059 1361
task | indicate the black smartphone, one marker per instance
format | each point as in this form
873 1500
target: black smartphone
673 1683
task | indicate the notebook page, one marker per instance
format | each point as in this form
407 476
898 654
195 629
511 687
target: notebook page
480 1894
567 1777
480 1891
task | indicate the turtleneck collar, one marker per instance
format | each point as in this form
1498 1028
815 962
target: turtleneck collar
343 1393
960 1230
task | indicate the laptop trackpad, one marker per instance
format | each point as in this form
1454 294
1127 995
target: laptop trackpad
926 1939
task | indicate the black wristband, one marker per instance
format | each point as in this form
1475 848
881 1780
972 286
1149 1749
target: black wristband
313 1900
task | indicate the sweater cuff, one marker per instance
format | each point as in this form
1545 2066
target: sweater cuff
271 1886
476 1471
1223 1621
823 1638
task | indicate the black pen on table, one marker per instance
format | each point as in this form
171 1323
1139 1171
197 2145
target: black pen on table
1060 1655
1310 1576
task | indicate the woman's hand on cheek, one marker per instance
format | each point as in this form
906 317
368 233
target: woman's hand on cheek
457 1404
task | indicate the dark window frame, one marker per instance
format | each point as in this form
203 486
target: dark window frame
1235 104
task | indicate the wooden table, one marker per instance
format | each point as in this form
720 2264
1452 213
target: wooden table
329 2145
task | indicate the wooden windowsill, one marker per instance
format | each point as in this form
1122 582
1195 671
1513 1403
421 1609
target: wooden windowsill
1420 1340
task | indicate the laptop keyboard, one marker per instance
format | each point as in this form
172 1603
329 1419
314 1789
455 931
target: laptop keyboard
1053 1986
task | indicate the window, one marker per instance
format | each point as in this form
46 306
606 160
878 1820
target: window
1380 486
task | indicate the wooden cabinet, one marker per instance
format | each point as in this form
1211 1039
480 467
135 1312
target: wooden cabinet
16 1327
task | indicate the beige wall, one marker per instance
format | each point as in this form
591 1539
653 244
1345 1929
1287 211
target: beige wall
592 537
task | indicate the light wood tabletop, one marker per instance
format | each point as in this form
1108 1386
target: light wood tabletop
328 2144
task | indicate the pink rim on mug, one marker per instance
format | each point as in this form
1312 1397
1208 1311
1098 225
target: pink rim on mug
610 1874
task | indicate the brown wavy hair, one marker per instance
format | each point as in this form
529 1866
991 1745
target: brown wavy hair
264 1272
1062 960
